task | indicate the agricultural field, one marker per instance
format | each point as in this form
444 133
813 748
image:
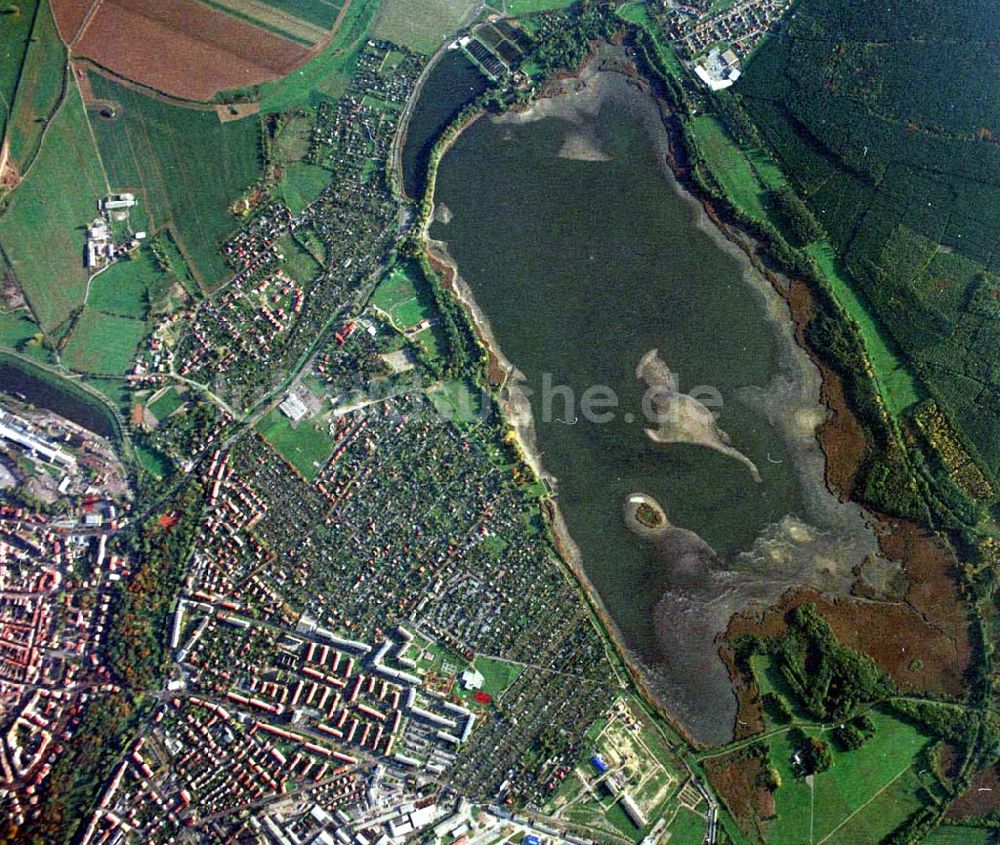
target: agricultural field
199 50
959 835
327 75
279 20
103 344
42 229
306 445
188 167
530 7
15 32
421 25
321 13
888 138
40 83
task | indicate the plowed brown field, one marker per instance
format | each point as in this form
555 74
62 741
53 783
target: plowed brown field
181 48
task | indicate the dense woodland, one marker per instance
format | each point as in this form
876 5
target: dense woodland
885 118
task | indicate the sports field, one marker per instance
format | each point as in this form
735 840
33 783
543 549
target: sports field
421 25
42 229
103 344
402 297
306 446
166 403
188 166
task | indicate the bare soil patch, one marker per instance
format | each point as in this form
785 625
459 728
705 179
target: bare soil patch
185 49
236 111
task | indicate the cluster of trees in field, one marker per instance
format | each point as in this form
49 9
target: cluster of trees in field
829 681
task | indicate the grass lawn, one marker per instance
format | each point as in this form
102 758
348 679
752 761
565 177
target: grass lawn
528 7
456 401
497 675
301 183
687 828
42 229
404 296
189 167
326 76
166 403
102 343
896 383
304 446
39 88
153 461
128 288
297 263
730 166
636 12
957 835
16 329
421 25
863 796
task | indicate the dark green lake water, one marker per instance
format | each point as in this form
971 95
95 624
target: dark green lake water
453 82
581 267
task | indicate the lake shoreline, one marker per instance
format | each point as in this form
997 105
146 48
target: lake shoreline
502 370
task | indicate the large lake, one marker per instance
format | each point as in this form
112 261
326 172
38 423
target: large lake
584 255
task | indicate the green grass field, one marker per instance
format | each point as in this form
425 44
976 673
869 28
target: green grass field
42 229
896 383
529 7
862 797
958 835
15 30
297 263
103 344
421 25
319 12
497 675
152 461
16 329
405 299
456 401
128 288
39 87
188 166
301 183
730 166
166 403
327 75
303 446
687 828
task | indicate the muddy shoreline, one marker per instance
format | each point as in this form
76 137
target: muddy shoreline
783 299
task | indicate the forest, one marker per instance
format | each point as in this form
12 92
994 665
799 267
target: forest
891 140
